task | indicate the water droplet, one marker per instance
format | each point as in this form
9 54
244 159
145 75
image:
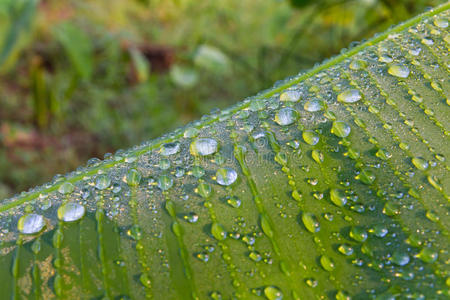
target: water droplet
385 58
327 263
204 146
191 132
286 116
255 256
358 233
349 96
345 249
428 255
226 176
338 197
102 182
145 280
204 257
420 163
380 230
215 295
191 217
164 164
340 129
291 95
204 190
133 177
311 282
318 156
135 232
400 258
273 293
342 295
383 154
30 224
366 176
357 64
165 182
399 71
233 201
218 231
441 22
310 221
71 212
314 105
170 149
310 137
66 188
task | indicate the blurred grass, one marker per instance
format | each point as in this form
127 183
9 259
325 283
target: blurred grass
83 78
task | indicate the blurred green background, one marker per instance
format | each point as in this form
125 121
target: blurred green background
79 78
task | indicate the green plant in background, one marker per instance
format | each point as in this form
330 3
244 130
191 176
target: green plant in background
332 184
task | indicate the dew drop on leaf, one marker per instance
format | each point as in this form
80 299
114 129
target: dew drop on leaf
102 182
400 258
66 188
30 224
338 197
310 137
226 176
420 163
399 71
349 96
165 182
314 105
310 221
273 293
71 212
286 116
340 129
170 149
218 232
204 146
290 95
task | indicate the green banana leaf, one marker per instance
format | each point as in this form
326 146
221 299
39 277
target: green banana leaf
333 184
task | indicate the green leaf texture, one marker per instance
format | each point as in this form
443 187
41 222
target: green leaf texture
332 185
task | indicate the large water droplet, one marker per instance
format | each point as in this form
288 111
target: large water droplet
102 182
420 163
383 154
428 255
345 249
170 149
310 137
204 146
31 224
310 221
338 197
273 293
327 263
349 96
165 182
340 129
133 177
441 22
286 116
358 233
314 105
400 258
291 95
399 71
226 176
66 188
71 212
366 176
218 231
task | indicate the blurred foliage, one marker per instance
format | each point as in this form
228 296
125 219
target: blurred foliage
82 78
